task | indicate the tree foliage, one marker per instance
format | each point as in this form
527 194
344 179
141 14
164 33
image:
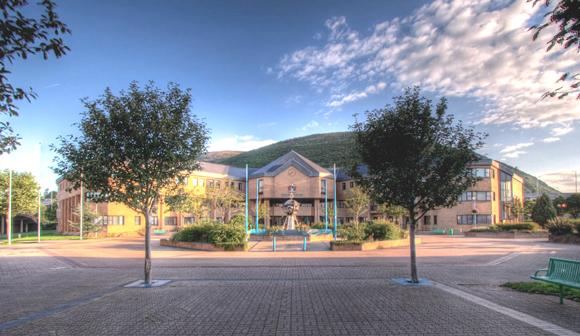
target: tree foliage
92 221
22 37
565 15
263 211
330 212
516 208
25 191
528 206
187 202
543 210
396 211
133 147
416 159
573 205
356 201
225 197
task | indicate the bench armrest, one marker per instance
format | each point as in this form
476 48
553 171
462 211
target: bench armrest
542 270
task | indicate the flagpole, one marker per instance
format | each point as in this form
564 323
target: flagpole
40 190
10 197
335 202
247 204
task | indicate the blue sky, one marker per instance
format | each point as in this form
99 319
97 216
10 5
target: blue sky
266 71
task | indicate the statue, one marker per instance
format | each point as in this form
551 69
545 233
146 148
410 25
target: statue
290 208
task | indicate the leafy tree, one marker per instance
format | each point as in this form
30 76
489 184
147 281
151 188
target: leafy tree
263 211
133 147
92 221
224 197
560 200
357 202
516 208
22 37
528 206
566 15
396 211
187 202
50 212
543 210
330 213
415 159
25 191
573 205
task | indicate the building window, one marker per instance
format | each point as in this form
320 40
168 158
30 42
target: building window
116 220
210 183
427 220
340 204
240 186
479 195
481 172
201 182
181 180
434 220
468 219
306 205
137 220
351 185
344 186
219 219
323 187
218 184
194 181
260 186
349 219
232 185
188 220
170 220
154 221
340 220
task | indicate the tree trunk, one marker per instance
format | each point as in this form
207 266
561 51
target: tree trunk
414 277
148 247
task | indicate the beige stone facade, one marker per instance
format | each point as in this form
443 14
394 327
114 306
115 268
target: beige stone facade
313 184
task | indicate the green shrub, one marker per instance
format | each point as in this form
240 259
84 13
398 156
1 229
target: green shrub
383 230
49 226
559 226
275 230
239 219
231 246
530 226
228 234
211 232
344 242
578 229
321 225
351 233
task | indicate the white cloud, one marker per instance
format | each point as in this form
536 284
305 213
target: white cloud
311 124
548 140
294 99
514 154
477 49
239 143
317 36
270 124
565 181
515 147
559 131
373 89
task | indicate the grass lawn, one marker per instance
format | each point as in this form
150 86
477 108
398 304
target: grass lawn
544 288
31 237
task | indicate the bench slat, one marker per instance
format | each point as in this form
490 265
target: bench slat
562 272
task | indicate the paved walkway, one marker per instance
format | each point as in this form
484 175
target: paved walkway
76 288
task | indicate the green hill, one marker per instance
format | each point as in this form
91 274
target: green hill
323 149
333 148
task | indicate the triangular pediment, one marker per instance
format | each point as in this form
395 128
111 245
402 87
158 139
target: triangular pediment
293 159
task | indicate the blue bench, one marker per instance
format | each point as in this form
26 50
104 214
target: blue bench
159 232
438 231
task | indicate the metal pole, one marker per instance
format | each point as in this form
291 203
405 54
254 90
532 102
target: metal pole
474 213
247 204
9 231
274 242
40 190
257 203
335 219
326 204
82 196
304 248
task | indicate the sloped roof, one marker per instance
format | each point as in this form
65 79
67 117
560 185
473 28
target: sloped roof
230 172
291 158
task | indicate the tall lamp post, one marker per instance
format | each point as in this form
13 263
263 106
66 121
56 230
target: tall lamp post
474 212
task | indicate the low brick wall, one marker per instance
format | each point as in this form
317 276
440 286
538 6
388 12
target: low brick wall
374 245
565 240
507 235
292 238
197 245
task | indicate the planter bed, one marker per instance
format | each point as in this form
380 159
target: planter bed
565 239
291 237
198 245
508 235
365 246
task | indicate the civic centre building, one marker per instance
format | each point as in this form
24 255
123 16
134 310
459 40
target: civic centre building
313 184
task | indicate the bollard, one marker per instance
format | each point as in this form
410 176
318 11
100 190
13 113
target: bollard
304 248
451 232
274 241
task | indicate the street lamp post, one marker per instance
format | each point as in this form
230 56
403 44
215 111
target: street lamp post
474 212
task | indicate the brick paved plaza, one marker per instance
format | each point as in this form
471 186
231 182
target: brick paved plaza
77 288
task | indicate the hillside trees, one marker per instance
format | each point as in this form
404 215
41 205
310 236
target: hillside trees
133 147
416 159
21 38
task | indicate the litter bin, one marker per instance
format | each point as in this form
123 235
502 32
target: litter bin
451 232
